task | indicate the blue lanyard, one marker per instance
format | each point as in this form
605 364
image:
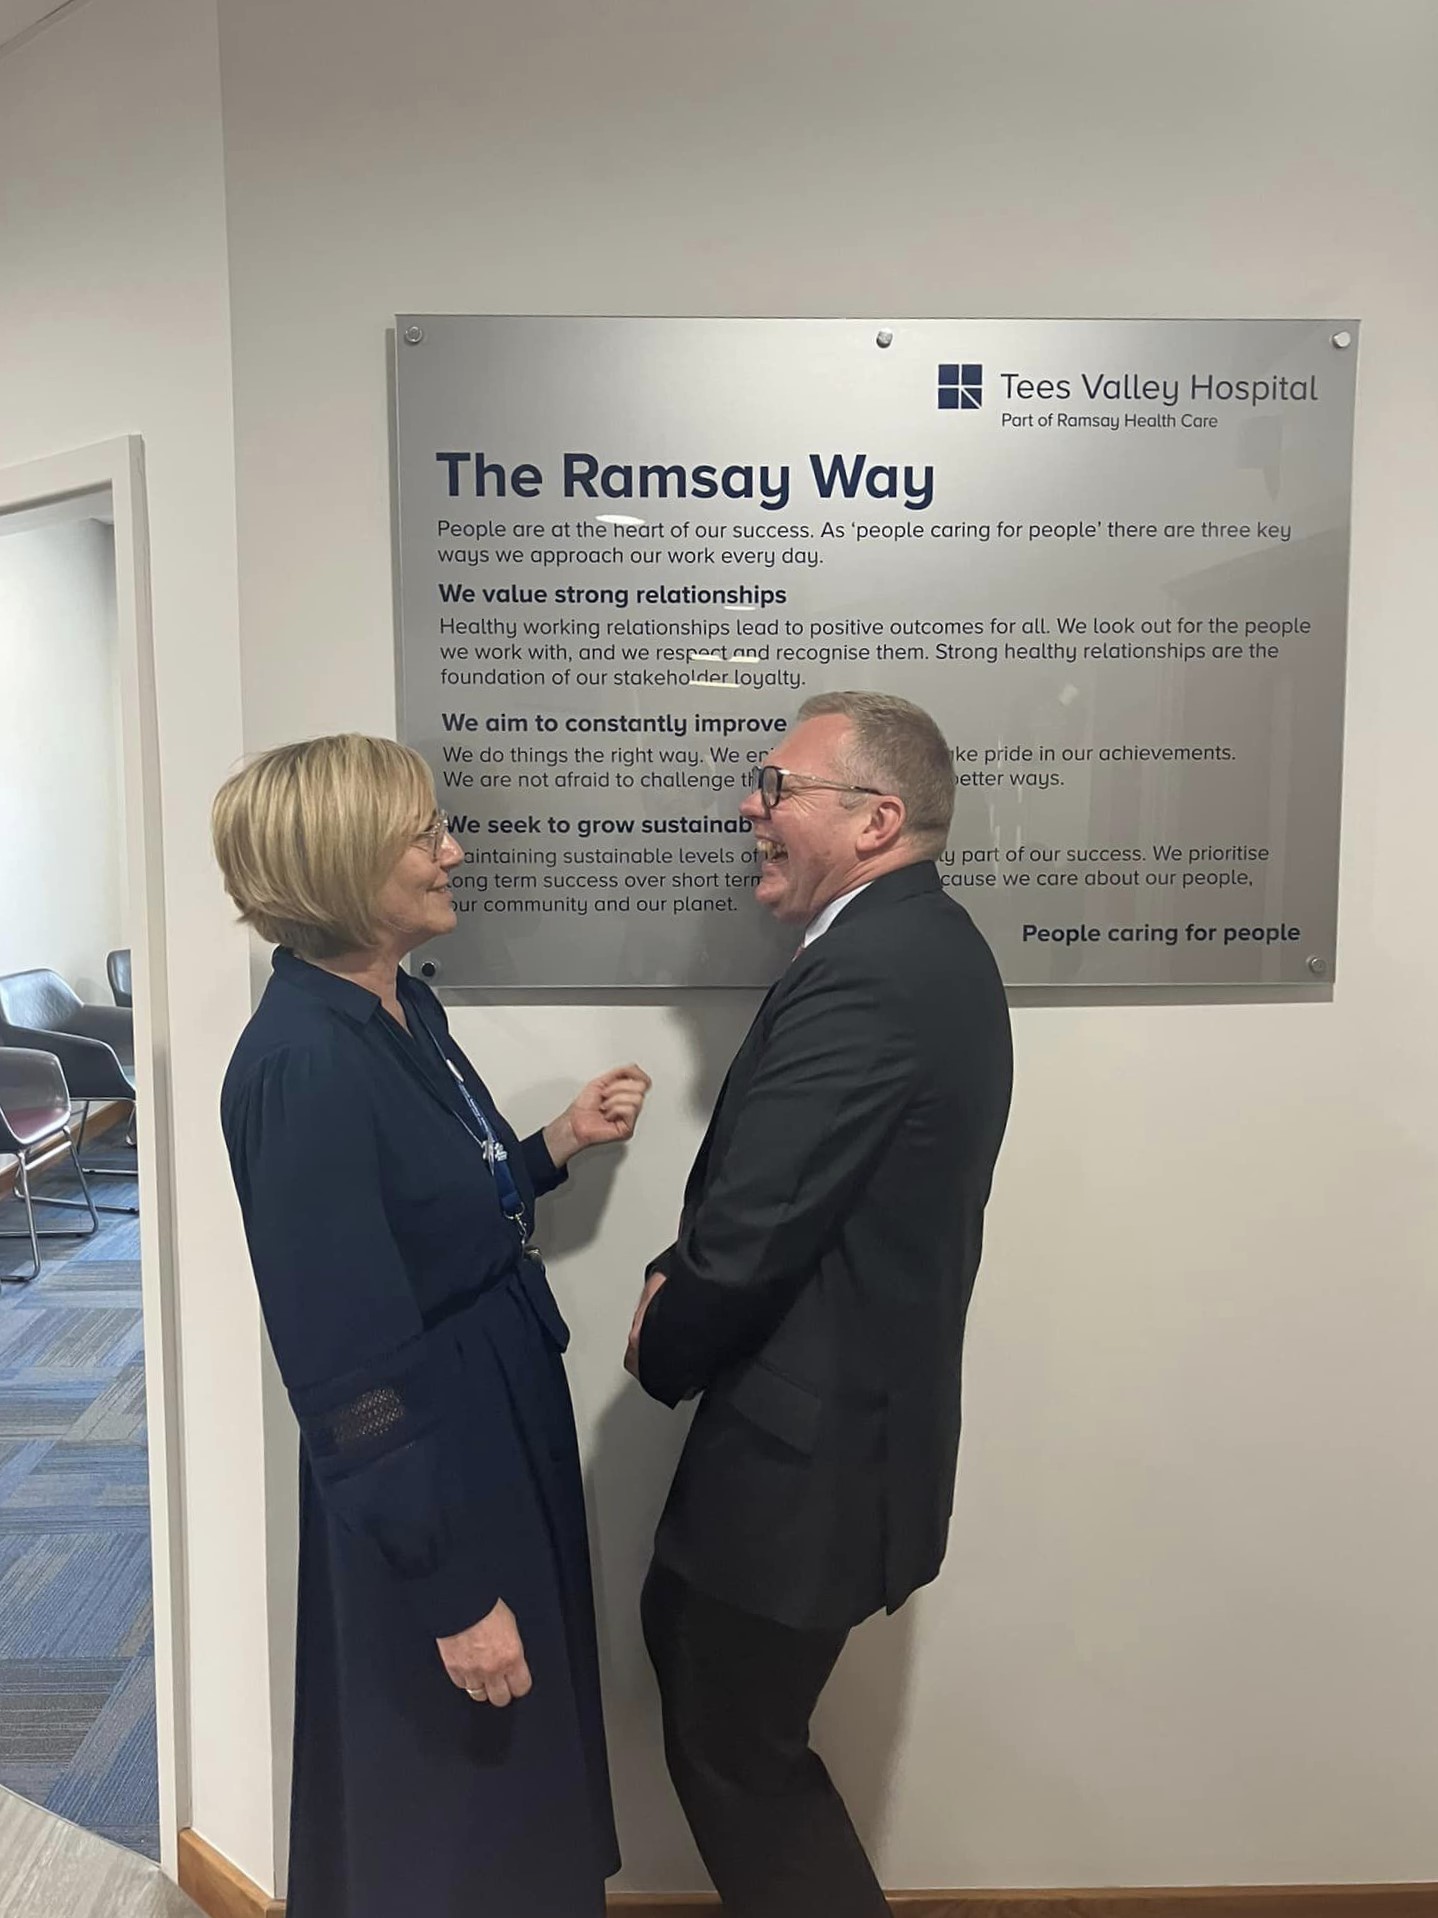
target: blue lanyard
489 1142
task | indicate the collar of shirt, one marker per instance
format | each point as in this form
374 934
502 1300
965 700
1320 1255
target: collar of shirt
822 921
355 1001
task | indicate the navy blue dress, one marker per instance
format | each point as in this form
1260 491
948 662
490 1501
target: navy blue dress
439 1469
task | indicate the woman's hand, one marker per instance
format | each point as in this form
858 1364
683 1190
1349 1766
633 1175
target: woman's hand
605 1112
487 1661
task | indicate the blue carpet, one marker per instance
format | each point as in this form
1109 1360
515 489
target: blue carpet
77 1678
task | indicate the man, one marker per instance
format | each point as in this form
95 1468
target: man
816 1297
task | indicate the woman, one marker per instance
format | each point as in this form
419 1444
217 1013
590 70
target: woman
449 1748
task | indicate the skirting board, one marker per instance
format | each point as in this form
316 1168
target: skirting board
223 1892
221 1889
1220 1901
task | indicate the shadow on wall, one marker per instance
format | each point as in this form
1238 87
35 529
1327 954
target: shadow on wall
631 1462
863 1717
574 1226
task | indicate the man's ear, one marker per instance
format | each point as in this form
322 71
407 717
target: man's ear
883 826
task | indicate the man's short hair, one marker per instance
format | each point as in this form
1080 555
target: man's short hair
897 747
306 836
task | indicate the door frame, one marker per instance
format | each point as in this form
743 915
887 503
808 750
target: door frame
117 467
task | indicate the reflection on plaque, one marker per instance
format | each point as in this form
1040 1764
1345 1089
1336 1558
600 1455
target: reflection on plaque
1110 557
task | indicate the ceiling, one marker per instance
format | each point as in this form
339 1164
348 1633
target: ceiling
18 16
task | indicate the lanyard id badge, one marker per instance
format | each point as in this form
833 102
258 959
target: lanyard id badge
490 1144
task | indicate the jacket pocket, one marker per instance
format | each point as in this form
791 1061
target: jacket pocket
786 1410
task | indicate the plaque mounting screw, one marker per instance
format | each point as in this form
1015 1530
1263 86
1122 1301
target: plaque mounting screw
883 337
413 335
1318 967
1340 340
429 968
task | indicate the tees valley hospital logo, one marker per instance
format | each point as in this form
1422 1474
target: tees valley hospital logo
961 387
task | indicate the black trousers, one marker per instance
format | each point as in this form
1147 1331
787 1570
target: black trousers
738 1692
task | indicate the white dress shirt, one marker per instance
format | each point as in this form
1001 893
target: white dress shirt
822 921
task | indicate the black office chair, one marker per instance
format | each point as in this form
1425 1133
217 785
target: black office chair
94 1044
34 1117
117 970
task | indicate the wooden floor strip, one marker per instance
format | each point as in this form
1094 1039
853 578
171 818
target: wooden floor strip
1210 1901
223 1892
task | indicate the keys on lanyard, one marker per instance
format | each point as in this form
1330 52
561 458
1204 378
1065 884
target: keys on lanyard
492 1146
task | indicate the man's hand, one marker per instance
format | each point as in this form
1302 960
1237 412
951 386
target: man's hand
631 1351
487 1661
605 1112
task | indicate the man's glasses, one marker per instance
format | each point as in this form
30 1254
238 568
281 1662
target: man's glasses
772 782
433 836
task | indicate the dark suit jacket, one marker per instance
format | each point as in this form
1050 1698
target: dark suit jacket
827 1248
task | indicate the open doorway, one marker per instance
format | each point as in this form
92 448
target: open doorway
88 1621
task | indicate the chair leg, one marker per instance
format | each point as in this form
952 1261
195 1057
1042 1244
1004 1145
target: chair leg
90 1205
22 1182
107 1171
35 1233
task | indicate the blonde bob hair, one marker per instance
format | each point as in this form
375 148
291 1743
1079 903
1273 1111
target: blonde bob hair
306 836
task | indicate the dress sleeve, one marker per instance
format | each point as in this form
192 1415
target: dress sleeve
544 1174
372 1392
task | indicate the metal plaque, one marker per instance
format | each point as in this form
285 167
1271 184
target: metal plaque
1109 556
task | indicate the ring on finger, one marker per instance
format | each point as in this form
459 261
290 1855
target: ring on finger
479 1694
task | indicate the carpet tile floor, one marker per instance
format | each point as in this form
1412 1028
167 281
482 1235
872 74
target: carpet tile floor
77 1684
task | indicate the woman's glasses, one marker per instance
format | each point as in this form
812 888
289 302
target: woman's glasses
434 836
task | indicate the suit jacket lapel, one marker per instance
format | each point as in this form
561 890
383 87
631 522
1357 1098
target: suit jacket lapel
731 1095
920 877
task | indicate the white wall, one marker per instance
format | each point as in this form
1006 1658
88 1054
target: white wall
1185 1631
114 320
62 891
